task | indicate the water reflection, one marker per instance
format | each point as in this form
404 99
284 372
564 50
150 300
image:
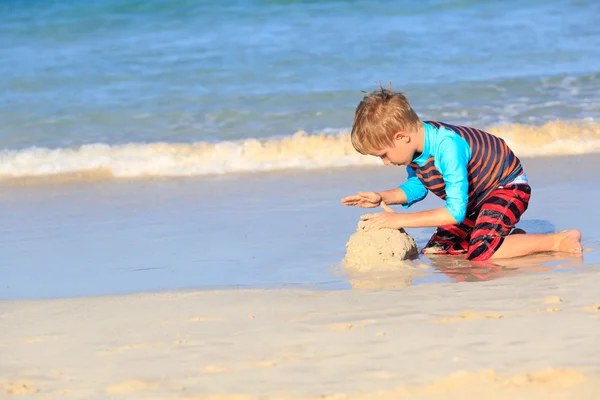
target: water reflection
461 270
458 269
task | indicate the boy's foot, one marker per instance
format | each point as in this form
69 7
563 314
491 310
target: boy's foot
568 241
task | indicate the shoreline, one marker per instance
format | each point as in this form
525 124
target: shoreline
179 233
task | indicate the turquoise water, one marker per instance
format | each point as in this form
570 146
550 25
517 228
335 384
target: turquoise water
113 72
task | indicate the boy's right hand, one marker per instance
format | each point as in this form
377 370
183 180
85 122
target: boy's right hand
363 199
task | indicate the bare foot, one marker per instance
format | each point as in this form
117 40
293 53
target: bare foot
568 242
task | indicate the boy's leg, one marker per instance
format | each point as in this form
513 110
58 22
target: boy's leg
498 216
450 239
522 245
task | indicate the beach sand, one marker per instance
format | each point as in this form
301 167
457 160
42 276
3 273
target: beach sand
528 337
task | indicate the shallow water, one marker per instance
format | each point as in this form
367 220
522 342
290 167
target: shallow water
259 231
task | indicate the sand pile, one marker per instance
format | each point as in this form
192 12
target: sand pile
383 249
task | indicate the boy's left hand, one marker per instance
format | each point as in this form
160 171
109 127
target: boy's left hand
388 219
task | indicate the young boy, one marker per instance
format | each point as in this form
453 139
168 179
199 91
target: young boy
480 178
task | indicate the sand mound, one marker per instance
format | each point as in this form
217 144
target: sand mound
382 249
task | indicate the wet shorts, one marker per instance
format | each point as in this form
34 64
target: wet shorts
482 232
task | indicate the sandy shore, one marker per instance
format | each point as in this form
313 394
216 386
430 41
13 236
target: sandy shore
527 337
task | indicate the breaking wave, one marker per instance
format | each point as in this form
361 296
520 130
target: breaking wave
299 151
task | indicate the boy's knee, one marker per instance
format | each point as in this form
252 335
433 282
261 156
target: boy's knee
483 248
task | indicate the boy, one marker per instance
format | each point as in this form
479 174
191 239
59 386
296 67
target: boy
480 178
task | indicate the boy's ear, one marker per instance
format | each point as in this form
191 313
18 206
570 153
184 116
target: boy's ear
402 136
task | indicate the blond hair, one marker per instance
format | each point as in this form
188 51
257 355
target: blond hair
378 117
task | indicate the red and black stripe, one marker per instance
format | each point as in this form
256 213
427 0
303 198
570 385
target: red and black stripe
497 217
492 164
481 235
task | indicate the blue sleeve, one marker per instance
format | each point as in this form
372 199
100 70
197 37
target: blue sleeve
413 188
453 158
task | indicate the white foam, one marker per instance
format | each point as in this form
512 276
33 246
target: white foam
299 151
172 159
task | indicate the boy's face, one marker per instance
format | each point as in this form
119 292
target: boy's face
402 151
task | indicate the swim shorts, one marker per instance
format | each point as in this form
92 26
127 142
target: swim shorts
483 230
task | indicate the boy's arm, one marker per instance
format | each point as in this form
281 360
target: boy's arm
453 160
421 219
410 191
406 194
426 219
393 196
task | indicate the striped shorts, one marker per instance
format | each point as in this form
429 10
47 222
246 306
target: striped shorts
483 231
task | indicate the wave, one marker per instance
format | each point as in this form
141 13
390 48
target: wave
299 151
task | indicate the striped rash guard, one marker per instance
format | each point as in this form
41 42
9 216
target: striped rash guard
461 165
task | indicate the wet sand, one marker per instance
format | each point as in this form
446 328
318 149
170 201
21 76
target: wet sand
273 230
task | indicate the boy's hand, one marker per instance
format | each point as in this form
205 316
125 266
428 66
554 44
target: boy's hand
388 219
363 199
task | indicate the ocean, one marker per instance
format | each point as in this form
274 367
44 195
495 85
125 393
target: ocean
166 145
